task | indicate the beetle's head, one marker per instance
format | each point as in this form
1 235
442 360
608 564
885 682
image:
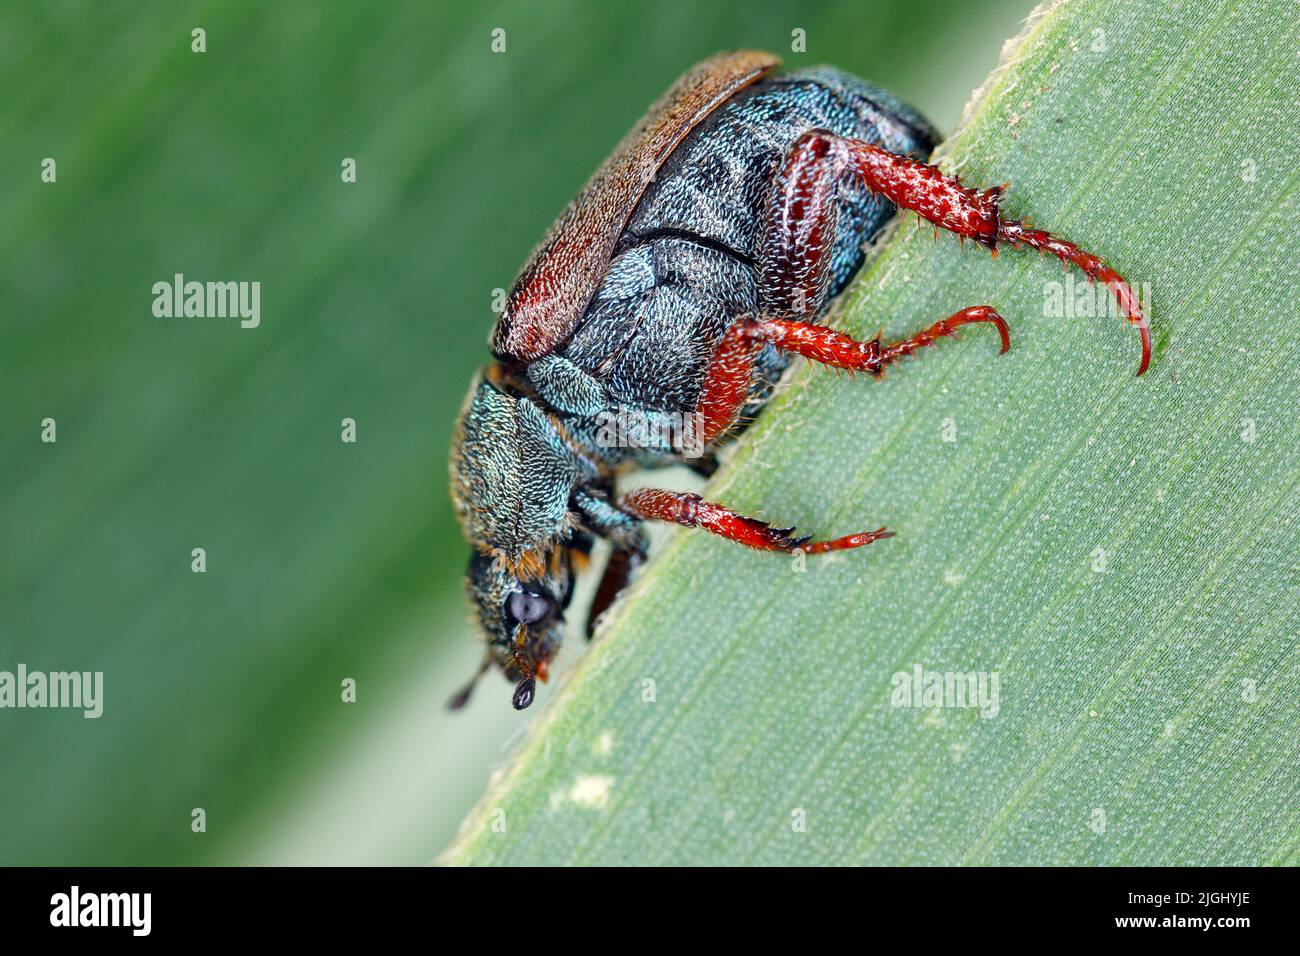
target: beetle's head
522 617
512 476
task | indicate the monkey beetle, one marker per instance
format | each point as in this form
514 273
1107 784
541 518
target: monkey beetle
695 261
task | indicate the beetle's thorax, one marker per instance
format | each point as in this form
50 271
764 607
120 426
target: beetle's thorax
513 471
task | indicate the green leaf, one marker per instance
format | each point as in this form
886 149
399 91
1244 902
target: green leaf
1121 552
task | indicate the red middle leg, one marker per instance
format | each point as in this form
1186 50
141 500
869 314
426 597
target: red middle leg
726 385
828 347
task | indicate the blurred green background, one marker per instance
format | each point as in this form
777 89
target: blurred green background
325 560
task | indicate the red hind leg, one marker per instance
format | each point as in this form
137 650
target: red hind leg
945 202
692 511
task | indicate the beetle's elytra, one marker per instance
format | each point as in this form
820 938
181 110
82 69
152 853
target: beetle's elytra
673 289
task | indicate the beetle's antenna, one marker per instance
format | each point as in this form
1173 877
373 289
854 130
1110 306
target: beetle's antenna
526 689
461 697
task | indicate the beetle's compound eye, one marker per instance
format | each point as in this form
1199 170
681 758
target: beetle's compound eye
527 607
524 693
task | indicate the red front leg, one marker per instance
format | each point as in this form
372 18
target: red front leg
692 511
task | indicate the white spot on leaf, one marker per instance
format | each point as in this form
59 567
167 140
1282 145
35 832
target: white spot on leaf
591 791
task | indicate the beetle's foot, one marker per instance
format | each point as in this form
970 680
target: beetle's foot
940 329
1018 233
845 543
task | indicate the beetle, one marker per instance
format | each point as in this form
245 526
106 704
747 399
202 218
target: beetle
671 294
